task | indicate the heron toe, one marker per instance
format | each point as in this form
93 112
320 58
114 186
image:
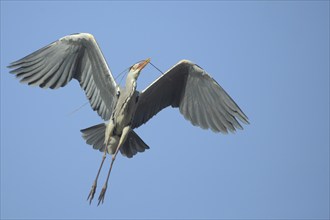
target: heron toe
91 193
102 194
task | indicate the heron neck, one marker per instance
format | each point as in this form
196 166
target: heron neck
130 83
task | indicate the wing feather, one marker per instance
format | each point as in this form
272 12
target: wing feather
200 99
51 79
75 56
23 73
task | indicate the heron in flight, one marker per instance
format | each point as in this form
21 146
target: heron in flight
186 86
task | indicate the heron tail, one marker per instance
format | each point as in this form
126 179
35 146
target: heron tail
95 136
133 145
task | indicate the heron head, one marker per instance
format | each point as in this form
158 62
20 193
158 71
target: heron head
136 68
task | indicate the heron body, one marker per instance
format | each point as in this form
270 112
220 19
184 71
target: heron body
200 99
122 114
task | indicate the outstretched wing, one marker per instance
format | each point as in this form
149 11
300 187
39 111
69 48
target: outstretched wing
200 98
74 56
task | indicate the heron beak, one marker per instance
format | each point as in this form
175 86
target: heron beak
143 64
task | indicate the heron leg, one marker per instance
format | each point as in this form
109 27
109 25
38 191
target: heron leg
92 192
123 137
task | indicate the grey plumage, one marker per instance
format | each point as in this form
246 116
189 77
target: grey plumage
75 56
186 86
95 136
199 97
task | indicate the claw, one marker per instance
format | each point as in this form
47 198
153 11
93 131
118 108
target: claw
102 194
92 192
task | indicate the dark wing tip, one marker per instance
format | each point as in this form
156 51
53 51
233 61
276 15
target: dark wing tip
246 121
13 71
243 118
13 65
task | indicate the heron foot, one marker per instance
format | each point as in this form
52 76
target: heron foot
102 194
92 192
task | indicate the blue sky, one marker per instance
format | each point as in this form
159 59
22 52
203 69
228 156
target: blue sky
272 57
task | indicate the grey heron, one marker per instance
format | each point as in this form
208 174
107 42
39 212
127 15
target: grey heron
186 86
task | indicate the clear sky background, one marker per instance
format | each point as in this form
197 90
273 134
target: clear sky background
272 57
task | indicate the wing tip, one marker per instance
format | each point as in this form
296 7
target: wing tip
13 65
13 71
244 119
